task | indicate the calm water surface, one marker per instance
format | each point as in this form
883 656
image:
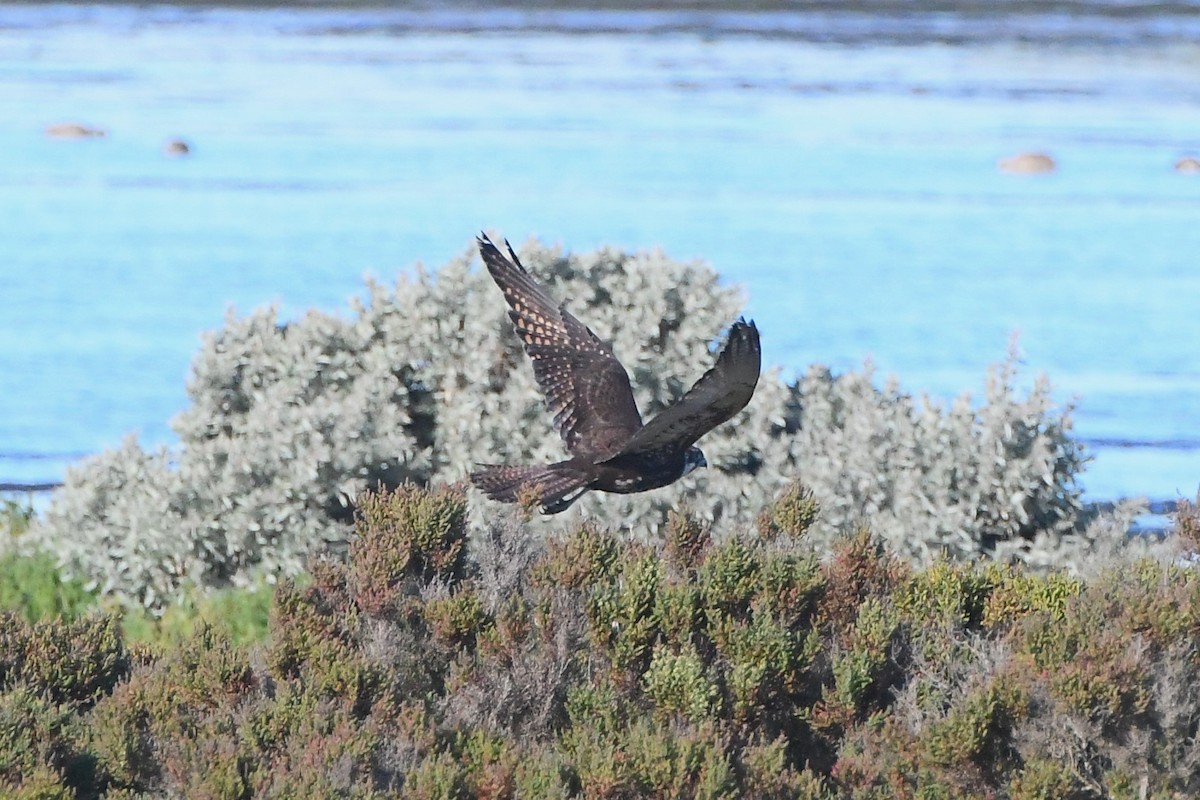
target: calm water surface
838 165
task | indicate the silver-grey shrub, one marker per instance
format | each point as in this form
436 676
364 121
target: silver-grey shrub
288 422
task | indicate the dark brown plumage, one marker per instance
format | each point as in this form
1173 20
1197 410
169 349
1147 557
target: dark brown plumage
587 389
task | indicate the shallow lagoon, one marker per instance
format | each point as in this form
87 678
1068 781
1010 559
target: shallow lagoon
840 166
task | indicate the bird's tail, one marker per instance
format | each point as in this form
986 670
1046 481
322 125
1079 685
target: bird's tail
555 486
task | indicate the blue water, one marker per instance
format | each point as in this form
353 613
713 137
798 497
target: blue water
840 166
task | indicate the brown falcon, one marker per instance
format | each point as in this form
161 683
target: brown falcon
588 391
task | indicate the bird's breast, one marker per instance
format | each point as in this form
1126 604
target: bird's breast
639 473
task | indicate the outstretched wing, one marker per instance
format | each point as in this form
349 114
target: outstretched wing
719 394
586 388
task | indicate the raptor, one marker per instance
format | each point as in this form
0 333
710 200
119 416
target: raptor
588 391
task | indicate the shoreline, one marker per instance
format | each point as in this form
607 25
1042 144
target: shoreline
1058 23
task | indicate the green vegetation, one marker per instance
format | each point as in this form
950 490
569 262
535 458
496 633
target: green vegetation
31 585
240 615
15 518
33 588
434 664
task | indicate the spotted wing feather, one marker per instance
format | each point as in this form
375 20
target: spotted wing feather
584 384
719 394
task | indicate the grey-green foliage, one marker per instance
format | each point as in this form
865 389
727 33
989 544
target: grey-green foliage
288 422
929 478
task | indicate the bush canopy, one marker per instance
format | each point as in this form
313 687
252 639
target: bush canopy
288 422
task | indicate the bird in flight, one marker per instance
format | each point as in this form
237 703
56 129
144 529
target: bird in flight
587 389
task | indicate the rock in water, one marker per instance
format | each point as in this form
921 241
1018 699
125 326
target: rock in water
73 130
1028 164
1188 165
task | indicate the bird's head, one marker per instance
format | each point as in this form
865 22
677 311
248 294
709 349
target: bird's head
692 459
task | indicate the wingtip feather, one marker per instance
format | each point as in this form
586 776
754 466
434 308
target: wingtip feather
744 333
513 254
496 260
491 255
742 322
